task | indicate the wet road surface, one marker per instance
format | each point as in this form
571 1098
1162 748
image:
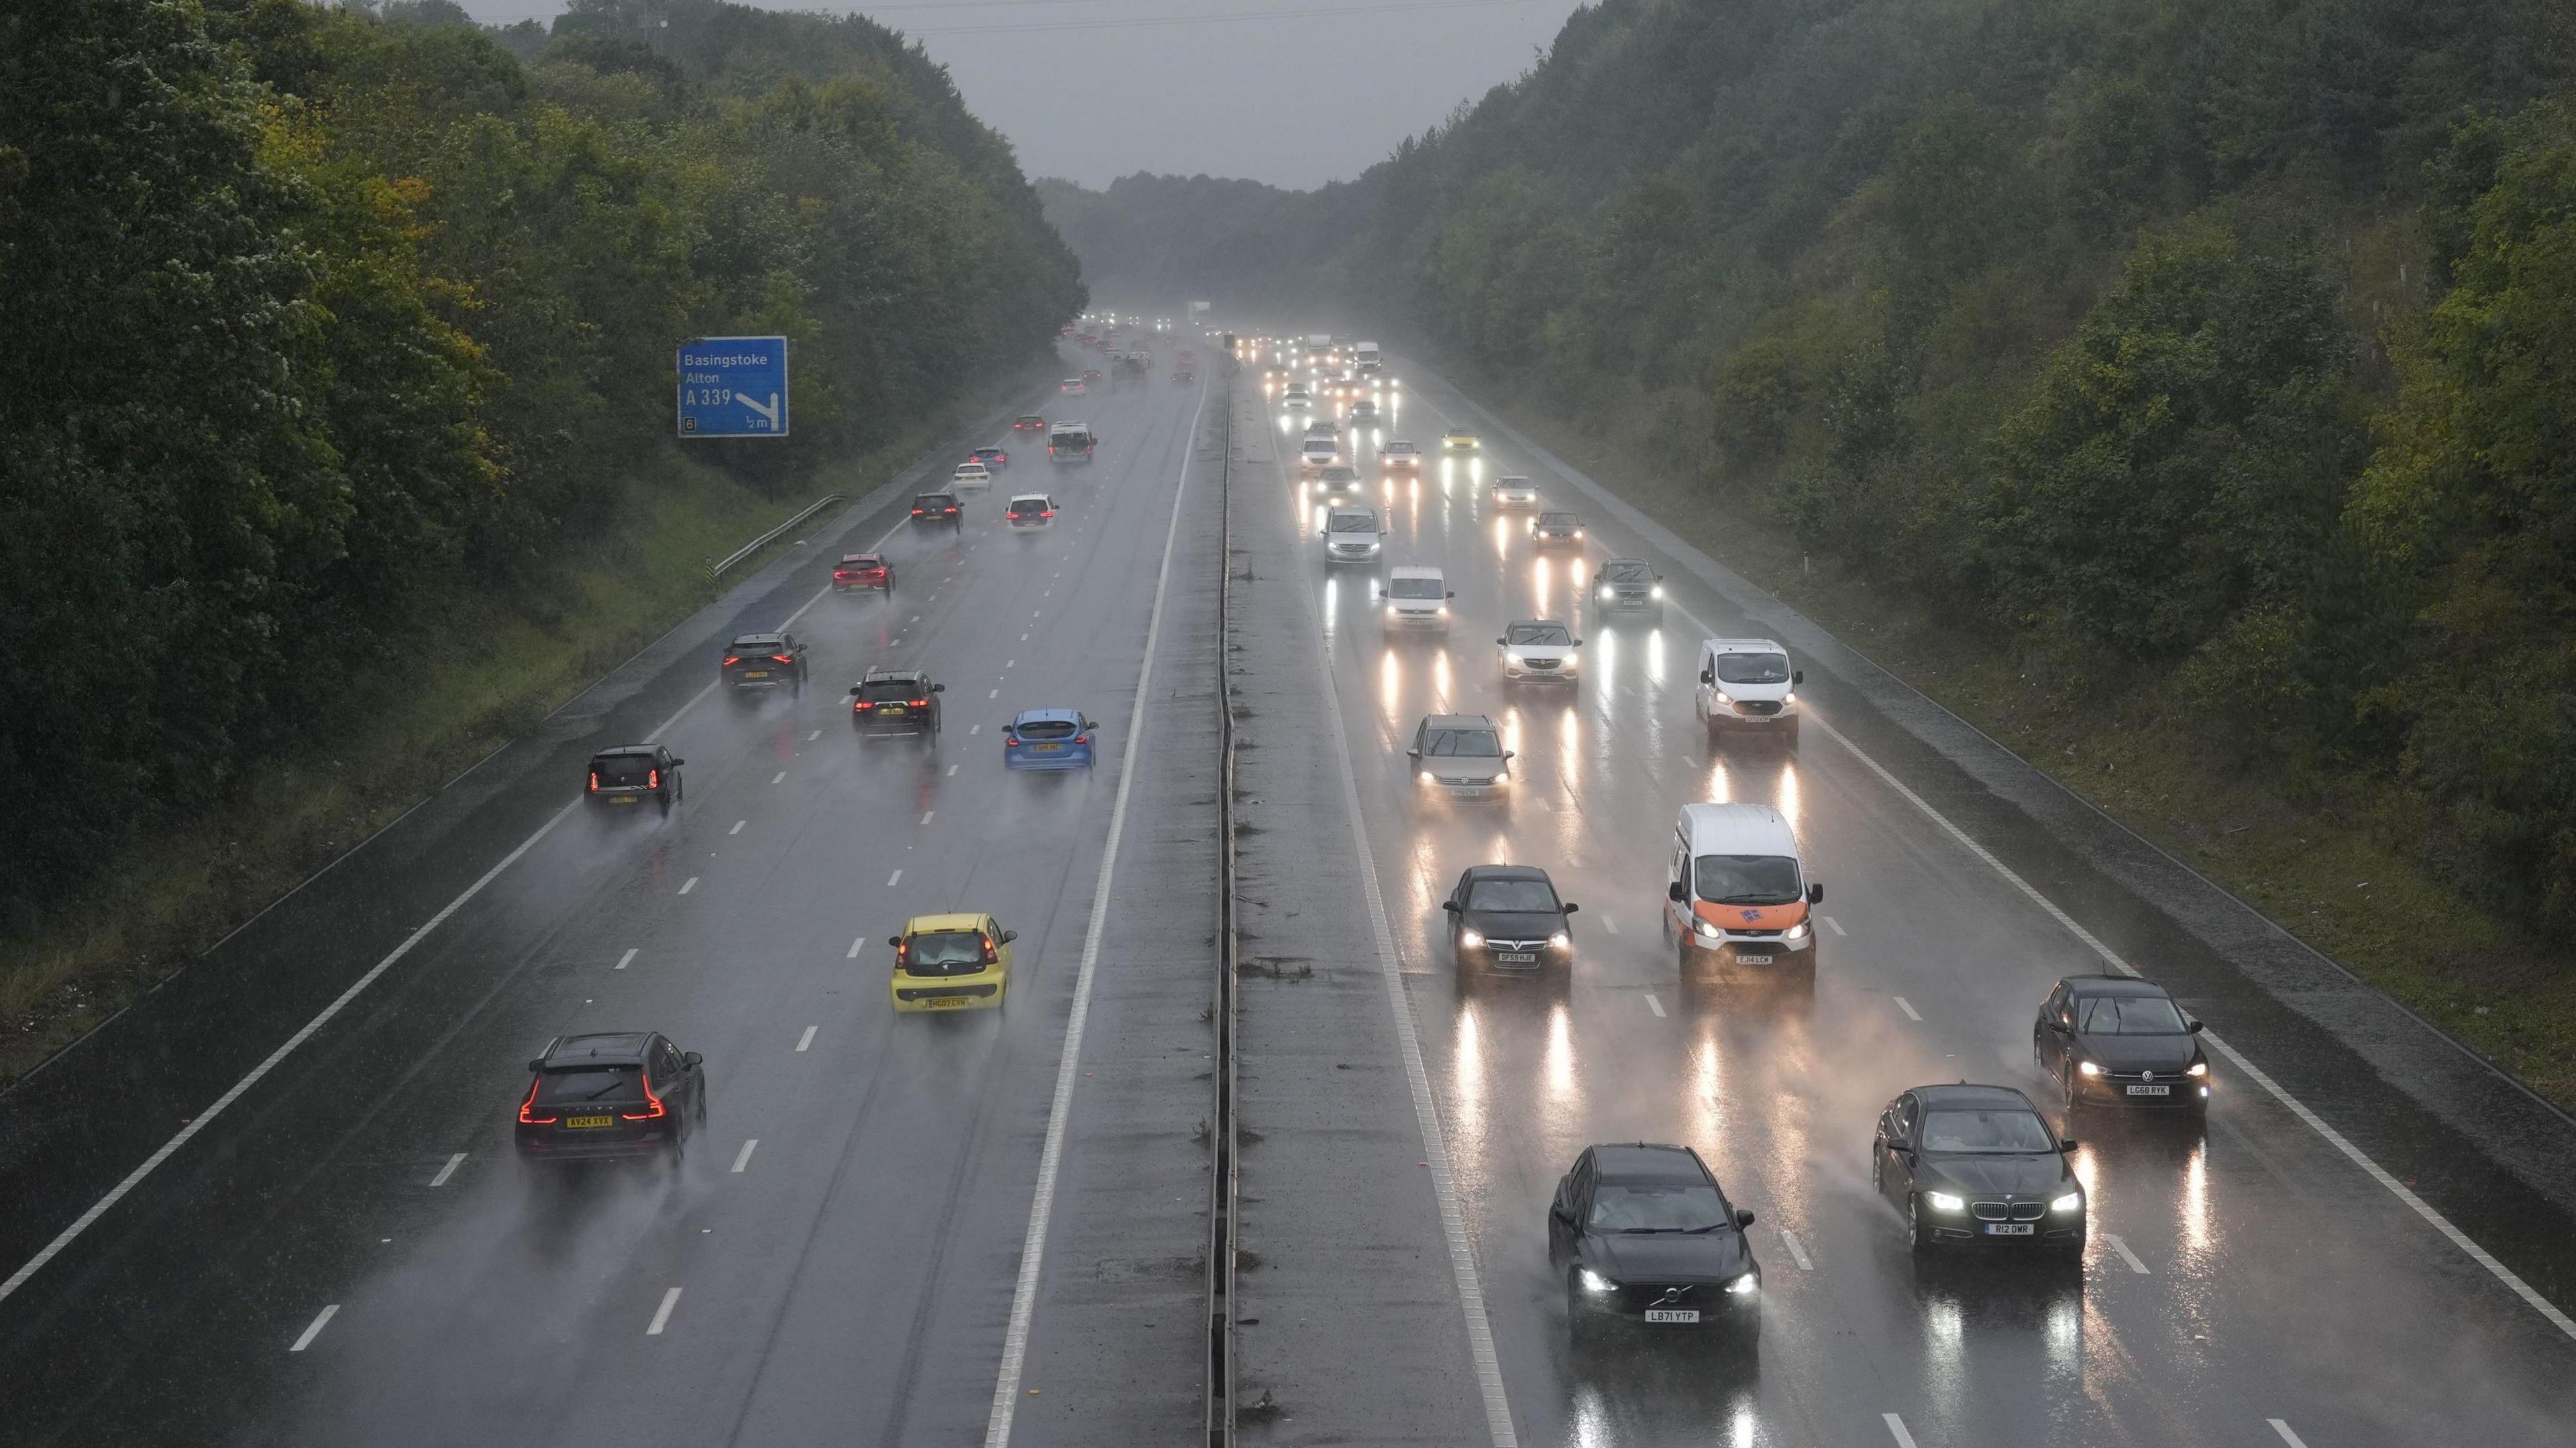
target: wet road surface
2245 1284
351 1254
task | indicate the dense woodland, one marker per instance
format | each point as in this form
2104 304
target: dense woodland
319 318
2214 356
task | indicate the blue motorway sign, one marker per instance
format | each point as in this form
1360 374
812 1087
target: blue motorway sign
733 387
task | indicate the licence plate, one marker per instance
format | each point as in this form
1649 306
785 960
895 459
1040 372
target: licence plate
2151 1090
891 710
755 673
1515 957
948 1003
1672 1314
1046 748
1753 959
2011 1229
625 799
590 1121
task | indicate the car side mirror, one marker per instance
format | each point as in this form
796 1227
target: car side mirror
1676 891
1571 907
536 1063
1561 1212
1797 676
1709 678
1743 1218
2067 1143
1009 935
1815 894
1578 643
1504 643
895 940
1453 593
2199 1026
939 688
1090 723
1449 905
1413 754
854 691
692 1060
1511 754
676 763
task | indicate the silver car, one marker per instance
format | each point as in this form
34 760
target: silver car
1461 756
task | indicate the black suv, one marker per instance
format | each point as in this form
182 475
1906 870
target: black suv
618 1093
765 661
896 701
635 773
1644 1235
1508 919
938 508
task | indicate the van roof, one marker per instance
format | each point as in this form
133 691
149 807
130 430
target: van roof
1737 829
1742 646
1412 570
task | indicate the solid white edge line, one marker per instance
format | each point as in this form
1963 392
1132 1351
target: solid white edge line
662 1314
1024 1295
743 1158
2126 1255
2316 1123
1426 1108
1797 1250
320 1321
2292 1440
1896 1430
806 1040
448 1170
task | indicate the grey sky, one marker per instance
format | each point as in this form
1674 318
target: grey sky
1293 92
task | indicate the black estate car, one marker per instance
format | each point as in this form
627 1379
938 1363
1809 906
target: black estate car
1977 1165
1507 919
1642 1233
896 701
617 1093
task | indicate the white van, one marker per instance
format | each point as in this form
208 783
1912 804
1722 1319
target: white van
1737 897
1747 685
1368 357
1417 597
1318 452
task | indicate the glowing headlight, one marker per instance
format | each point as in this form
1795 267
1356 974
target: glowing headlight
1607 590
1705 931
1595 1282
1471 938
1390 610
1944 1202
1789 698
2197 1068
1796 932
1429 778
1655 592
1720 697
1746 1285
1444 610
1559 941
2088 1068
1502 776
2071 1202
1578 532
1512 655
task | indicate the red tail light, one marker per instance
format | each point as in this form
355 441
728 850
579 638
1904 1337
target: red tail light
1082 739
992 954
921 703
594 781
782 658
732 659
527 1109
652 1104
916 512
863 706
653 779
1049 513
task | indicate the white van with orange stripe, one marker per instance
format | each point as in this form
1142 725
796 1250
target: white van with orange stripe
1737 897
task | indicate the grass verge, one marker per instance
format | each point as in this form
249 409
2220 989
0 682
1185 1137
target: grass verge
479 672
2329 864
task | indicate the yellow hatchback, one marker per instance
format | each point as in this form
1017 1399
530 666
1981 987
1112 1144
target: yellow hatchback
1461 442
952 963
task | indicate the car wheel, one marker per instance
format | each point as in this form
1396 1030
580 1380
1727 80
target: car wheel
1917 1236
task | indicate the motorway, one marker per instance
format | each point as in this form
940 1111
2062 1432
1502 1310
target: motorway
347 1253
2248 1284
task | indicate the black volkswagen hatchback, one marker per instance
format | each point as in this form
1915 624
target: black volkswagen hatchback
2111 1040
1507 919
1643 1235
1977 1165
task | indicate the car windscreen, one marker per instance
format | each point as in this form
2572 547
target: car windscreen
2129 1016
1657 1207
877 691
1416 588
863 560
946 947
623 770
935 500
1400 449
1338 475
1029 417
1028 507
1320 447
1516 895
1538 635
586 1083
1753 668
1465 744
1556 520
1627 573
1352 523
1046 729
2001 1129
1745 879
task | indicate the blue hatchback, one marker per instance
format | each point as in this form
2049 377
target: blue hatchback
1048 739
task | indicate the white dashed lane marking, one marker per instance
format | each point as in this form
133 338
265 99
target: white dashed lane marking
926 814
448 1170
1797 1250
1834 925
319 1322
806 1040
662 1314
894 879
817 734
1895 1429
691 885
737 827
854 947
1654 1005
2288 1437
742 1158
2125 1254
627 959
1907 1006
952 771
1609 924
